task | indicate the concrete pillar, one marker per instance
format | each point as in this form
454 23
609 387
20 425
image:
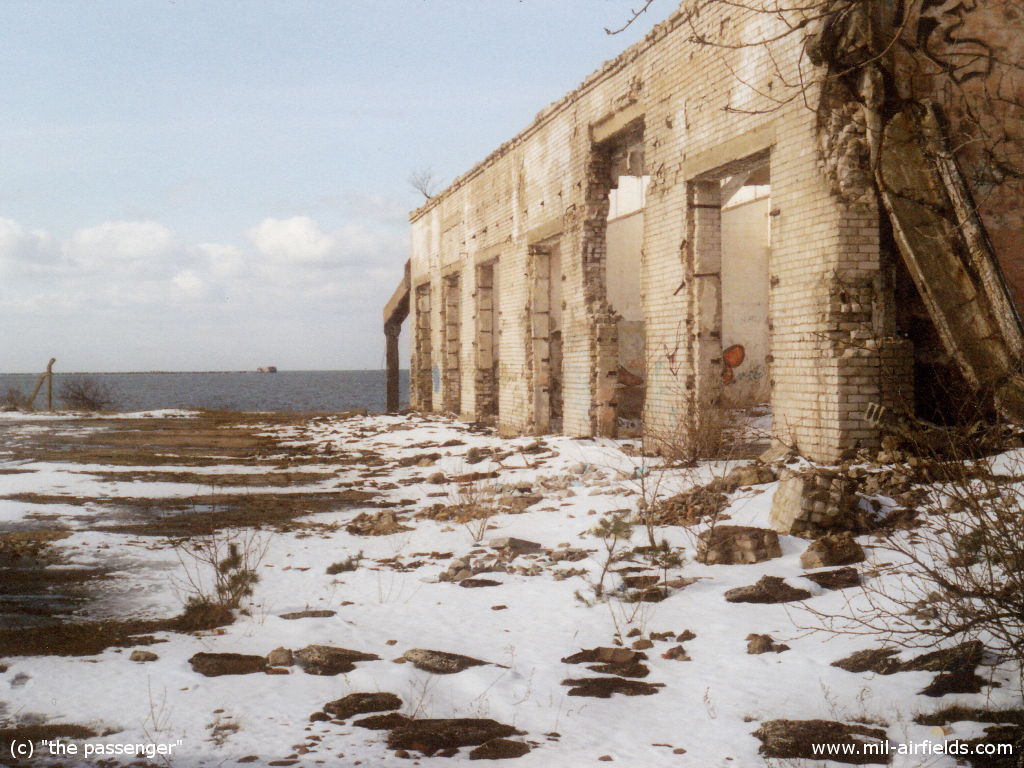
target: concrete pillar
392 331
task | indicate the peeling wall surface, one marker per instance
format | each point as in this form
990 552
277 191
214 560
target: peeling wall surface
579 302
746 251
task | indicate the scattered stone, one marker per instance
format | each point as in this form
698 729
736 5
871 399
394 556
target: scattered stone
277 671
280 657
816 502
755 473
419 460
142 656
437 478
642 644
499 607
770 589
319 717
604 687
328 660
685 636
499 749
217 664
839 578
832 549
737 544
440 662
314 614
569 554
476 583
386 722
757 644
639 582
678 653
604 655
379 524
606 758
692 506
630 669
517 503
519 546
877 660
797 739
647 595
362 703
428 736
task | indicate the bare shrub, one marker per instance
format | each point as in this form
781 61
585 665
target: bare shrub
14 398
350 563
613 530
424 181
959 575
473 505
86 394
220 574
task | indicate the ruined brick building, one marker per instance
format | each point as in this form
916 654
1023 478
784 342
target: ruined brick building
818 209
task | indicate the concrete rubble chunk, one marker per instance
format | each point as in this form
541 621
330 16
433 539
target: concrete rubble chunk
815 502
832 549
328 660
737 544
217 664
362 703
440 662
769 589
519 546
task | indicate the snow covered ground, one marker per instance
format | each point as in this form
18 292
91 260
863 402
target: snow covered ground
540 612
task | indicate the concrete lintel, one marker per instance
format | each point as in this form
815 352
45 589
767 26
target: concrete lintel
549 229
729 151
490 253
611 124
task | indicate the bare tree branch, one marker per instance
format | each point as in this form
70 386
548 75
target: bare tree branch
424 182
636 13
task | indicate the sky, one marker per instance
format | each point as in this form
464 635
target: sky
223 184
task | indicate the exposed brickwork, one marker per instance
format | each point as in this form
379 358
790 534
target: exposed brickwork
703 109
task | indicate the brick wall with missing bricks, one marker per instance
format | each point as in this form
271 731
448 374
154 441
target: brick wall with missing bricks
705 114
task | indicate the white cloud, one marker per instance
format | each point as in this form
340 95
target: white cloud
298 240
18 244
137 283
190 284
120 242
224 260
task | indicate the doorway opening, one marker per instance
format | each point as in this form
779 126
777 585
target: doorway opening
451 324
546 334
487 346
423 375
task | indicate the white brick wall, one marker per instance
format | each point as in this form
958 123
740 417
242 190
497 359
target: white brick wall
534 187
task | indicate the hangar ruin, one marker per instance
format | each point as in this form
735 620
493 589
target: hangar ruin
816 208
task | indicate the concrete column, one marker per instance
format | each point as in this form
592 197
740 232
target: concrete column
392 331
